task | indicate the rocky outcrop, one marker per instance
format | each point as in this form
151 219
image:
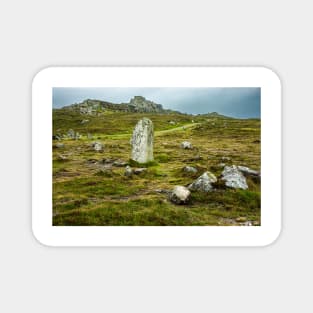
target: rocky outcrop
137 104
141 104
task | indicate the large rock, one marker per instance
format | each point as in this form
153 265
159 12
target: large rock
234 178
142 141
204 182
180 195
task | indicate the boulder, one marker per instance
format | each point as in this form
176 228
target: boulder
142 141
247 171
119 163
204 182
180 195
59 145
234 178
98 146
190 169
186 145
138 171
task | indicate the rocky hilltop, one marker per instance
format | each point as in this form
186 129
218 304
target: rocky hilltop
137 104
140 104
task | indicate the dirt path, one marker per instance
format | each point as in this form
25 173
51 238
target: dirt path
156 133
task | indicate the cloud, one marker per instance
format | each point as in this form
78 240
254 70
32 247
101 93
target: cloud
237 102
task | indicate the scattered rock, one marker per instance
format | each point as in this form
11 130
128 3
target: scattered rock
186 145
84 121
247 223
138 171
224 158
62 157
98 146
204 182
221 165
71 134
59 145
107 161
142 141
128 171
190 169
180 195
77 136
119 163
234 178
56 137
247 171
105 171
92 161
172 123
241 219
163 191
195 158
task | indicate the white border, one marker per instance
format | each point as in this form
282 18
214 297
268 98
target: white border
156 235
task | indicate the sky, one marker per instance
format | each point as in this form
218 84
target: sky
243 102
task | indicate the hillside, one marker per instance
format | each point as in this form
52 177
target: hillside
90 188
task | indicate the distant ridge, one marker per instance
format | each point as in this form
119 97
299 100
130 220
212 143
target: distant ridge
137 104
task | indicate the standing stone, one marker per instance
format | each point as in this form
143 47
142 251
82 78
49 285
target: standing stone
142 141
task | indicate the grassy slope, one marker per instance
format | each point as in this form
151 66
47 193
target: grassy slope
84 195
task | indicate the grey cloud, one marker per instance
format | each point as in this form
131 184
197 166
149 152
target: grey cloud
237 102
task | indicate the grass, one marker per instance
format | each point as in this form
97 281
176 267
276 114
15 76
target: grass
86 192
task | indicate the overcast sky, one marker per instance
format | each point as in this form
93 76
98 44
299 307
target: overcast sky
236 102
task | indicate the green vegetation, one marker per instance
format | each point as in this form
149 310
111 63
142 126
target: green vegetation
86 191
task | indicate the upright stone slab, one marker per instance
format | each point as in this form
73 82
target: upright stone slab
142 141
